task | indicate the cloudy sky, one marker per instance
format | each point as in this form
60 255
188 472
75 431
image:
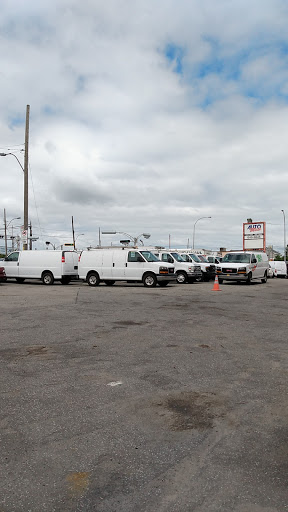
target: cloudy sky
146 115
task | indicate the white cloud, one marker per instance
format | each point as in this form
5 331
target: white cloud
121 141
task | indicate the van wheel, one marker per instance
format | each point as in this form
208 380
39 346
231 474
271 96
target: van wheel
93 279
181 278
264 280
248 281
163 283
20 279
220 281
109 283
47 278
150 280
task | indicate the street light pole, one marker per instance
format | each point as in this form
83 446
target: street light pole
195 227
25 170
80 234
285 258
5 231
6 226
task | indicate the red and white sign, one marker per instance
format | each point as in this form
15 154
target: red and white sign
24 236
254 236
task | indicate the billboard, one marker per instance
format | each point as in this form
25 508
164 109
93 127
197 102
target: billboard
254 236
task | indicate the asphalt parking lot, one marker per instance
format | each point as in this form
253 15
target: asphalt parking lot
131 399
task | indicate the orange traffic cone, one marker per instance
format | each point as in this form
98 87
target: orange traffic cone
216 287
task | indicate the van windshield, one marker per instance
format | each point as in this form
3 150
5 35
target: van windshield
195 258
202 259
149 256
236 258
177 256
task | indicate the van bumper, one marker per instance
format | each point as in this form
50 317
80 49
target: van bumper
232 277
195 275
166 277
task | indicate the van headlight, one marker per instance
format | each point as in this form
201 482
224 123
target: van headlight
218 269
242 269
163 270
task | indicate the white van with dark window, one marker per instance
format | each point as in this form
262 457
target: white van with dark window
243 266
45 265
186 272
207 269
124 264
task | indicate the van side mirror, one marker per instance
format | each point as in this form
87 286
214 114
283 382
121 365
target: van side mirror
140 259
254 260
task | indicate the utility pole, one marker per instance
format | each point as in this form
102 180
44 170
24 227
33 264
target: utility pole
5 231
285 247
25 226
73 234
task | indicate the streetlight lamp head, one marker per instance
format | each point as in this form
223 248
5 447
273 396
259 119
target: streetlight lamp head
108 232
146 235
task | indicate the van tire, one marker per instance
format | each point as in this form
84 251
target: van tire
47 278
248 281
181 277
20 279
163 283
93 279
220 281
264 279
109 283
149 280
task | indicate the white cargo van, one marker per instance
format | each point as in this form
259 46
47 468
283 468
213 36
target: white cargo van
279 268
45 265
185 271
207 269
243 266
124 264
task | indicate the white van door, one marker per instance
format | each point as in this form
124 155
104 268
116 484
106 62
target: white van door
118 264
11 264
135 265
69 263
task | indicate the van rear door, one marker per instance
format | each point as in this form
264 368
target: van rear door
69 263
